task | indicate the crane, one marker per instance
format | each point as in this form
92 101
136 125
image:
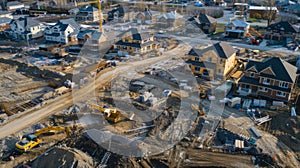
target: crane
99 10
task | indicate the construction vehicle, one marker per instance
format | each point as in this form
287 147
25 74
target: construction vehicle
30 141
201 111
255 40
134 95
109 114
259 36
202 92
103 64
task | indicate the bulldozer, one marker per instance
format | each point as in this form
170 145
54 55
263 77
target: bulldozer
109 114
201 111
30 141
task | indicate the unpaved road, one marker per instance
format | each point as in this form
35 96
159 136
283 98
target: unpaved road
17 124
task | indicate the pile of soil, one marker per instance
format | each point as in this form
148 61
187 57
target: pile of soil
63 157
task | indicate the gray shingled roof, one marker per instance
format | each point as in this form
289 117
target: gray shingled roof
25 22
283 26
88 9
283 70
135 33
5 20
222 49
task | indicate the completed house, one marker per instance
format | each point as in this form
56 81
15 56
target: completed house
236 28
273 78
170 20
206 23
133 41
87 13
214 61
144 17
63 31
263 11
25 28
120 14
281 32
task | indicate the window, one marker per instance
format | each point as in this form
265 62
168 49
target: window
197 68
219 71
252 74
281 94
197 59
283 84
266 81
263 89
209 59
221 61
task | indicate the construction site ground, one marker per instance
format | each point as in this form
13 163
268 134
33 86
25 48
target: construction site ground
277 139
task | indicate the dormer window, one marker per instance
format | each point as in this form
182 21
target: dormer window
252 74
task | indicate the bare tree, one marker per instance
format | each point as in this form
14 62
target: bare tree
270 13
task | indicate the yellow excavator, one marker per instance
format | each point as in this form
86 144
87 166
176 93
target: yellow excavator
30 141
109 114
202 92
201 111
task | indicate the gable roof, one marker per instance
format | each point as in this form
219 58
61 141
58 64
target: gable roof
93 34
88 9
170 15
135 34
5 20
240 23
283 26
203 18
25 22
65 23
222 50
283 70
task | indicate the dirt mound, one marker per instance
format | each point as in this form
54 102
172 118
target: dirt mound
63 157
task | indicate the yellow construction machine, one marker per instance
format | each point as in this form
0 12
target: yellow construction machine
109 114
201 111
202 92
30 141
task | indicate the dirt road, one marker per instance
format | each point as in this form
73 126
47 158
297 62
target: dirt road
16 125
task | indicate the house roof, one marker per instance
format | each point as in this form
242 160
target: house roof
203 64
202 18
170 15
222 50
64 23
284 26
294 7
240 23
136 34
5 20
88 9
13 3
120 9
262 8
283 70
25 22
71 22
93 34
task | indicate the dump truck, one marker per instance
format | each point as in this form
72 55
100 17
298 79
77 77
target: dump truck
30 141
